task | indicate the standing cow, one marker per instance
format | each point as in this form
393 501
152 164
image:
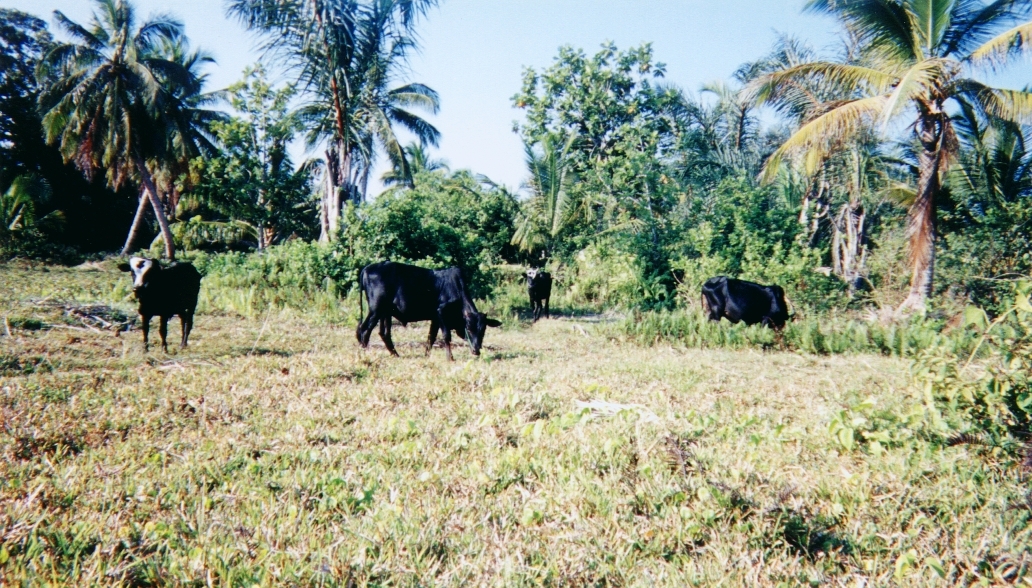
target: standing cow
748 302
539 288
164 292
412 294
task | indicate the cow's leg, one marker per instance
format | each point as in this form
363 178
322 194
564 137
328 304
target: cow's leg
547 314
186 321
434 327
447 332
163 331
447 342
145 318
385 334
365 328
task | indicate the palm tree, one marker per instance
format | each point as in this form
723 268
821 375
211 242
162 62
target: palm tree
347 54
106 99
912 58
417 160
188 121
551 207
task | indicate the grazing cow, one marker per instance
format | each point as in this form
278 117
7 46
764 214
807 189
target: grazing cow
412 294
749 302
539 287
164 292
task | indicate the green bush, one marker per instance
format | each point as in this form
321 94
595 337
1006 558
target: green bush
443 221
985 393
753 234
304 276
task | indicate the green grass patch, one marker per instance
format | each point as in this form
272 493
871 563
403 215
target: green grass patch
276 452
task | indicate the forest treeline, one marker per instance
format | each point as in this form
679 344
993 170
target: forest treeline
885 176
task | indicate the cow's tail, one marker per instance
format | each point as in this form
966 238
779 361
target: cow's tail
361 294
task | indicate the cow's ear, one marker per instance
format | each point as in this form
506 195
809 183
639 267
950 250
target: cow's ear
492 322
124 267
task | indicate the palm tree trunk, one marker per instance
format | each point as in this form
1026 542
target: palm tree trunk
159 210
921 219
134 230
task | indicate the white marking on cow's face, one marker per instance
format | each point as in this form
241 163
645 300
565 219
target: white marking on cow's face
531 274
139 266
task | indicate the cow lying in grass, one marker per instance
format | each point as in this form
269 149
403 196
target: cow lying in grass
412 294
742 301
164 292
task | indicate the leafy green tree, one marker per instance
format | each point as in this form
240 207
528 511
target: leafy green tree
620 119
253 181
912 59
105 100
986 212
23 40
445 220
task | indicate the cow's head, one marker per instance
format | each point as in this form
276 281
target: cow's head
139 267
532 273
476 325
778 307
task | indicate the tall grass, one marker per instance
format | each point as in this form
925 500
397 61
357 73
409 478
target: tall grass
305 277
821 335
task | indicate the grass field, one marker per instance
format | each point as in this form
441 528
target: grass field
274 451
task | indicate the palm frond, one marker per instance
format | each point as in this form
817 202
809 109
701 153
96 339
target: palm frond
837 74
997 50
919 80
819 136
884 26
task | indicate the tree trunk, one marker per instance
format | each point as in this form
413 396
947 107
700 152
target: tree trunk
134 230
921 217
848 253
159 210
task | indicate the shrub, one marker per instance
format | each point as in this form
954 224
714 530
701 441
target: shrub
987 396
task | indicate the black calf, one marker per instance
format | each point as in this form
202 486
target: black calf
164 292
539 288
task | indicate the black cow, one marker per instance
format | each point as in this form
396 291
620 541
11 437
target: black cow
412 294
164 292
749 302
539 287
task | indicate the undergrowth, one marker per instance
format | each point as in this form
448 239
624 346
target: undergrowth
817 335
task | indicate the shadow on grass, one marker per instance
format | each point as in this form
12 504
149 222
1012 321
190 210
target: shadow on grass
809 536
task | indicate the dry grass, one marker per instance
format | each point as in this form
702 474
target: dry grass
278 453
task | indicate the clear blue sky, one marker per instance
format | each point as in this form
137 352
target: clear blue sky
474 52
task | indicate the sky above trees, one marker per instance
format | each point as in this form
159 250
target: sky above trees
474 52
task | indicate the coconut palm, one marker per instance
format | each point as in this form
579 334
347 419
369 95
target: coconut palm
417 160
910 67
106 98
551 207
347 54
375 110
187 119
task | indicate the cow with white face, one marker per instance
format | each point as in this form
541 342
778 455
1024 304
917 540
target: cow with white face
164 292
